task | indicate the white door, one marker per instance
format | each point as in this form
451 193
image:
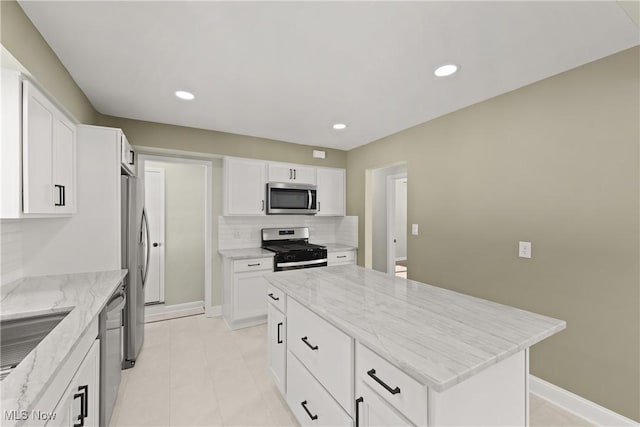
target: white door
154 205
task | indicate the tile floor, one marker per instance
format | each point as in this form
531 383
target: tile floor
194 371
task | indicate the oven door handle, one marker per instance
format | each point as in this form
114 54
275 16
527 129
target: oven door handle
297 263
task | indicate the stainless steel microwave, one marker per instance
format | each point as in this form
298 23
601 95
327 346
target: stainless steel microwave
285 198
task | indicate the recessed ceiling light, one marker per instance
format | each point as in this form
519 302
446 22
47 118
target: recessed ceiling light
446 70
185 95
339 126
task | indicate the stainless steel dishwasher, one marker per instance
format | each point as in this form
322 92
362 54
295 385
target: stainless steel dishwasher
111 353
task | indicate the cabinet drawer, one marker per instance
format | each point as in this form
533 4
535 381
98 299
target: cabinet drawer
323 349
277 298
401 391
344 257
253 264
309 401
373 411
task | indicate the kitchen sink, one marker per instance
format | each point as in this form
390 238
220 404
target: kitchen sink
19 336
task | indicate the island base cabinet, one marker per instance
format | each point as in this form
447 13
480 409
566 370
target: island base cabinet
373 411
277 347
309 401
497 396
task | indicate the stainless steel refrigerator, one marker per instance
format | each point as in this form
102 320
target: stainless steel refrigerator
135 258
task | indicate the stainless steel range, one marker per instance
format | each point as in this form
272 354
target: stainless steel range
292 248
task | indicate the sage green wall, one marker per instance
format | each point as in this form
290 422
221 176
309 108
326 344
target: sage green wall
184 231
158 135
24 42
555 163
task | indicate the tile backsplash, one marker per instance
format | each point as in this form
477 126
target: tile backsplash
10 251
244 232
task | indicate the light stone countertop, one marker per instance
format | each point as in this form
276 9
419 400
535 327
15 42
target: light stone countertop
246 253
249 253
337 247
85 294
437 336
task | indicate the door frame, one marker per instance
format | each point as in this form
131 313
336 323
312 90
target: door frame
145 154
162 221
391 221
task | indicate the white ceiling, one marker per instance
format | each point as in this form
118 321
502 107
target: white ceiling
289 70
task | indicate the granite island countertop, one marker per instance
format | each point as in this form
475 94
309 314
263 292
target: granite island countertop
437 336
84 295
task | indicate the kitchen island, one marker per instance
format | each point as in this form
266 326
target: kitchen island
391 350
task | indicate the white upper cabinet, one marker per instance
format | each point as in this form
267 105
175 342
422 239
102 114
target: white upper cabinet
48 163
244 186
282 172
128 158
331 191
38 154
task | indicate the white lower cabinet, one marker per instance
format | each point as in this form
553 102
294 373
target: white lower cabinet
309 401
324 350
331 379
277 346
399 390
245 287
79 405
341 257
373 411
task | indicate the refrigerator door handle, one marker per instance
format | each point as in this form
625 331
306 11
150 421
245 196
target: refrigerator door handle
145 225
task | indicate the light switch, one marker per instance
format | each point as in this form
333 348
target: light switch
524 249
414 229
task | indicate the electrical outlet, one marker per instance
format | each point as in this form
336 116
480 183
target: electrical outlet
236 234
524 249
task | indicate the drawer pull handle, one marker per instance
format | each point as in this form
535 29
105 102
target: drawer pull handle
312 347
358 402
341 256
279 339
372 374
253 265
274 298
304 405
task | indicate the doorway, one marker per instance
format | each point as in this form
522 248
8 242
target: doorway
383 243
397 225
178 202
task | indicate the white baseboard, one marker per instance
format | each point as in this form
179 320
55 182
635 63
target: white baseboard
213 311
155 313
577 405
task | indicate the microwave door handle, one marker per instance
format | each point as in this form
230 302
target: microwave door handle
310 199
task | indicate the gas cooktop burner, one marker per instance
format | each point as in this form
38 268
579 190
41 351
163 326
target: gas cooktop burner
292 248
